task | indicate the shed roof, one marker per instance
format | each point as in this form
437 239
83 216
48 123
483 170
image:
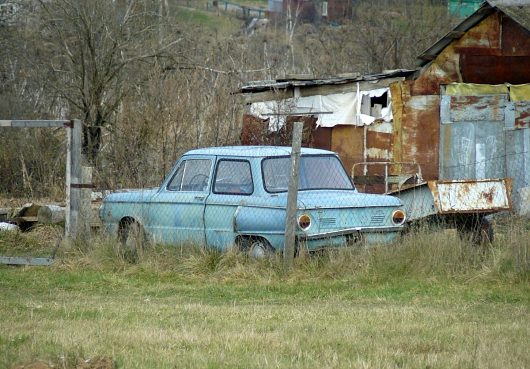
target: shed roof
518 10
305 81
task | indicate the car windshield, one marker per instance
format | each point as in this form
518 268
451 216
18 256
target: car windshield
317 172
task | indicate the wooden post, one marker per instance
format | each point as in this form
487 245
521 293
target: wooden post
292 197
73 178
85 208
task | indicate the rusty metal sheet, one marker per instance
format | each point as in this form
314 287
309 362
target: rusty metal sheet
477 108
347 141
443 70
515 40
522 114
494 69
472 140
379 141
420 132
322 138
485 35
466 196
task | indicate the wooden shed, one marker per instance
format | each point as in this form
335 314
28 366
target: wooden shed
463 114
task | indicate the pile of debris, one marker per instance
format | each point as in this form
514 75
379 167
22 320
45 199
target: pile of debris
29 215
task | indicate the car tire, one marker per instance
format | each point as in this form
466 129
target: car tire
132 240
256 247
478 230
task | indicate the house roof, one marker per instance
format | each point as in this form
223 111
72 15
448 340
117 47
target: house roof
518 10
305 81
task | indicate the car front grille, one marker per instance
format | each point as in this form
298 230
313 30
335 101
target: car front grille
327 222
377 219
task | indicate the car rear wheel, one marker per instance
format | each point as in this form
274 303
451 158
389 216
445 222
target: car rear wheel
132 240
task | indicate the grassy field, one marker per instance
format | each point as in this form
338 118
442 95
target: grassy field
431 301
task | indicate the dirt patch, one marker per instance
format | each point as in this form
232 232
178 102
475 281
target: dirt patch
36 365
97 363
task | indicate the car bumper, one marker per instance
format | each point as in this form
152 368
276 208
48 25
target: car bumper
350 231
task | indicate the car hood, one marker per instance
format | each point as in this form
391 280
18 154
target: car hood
344 199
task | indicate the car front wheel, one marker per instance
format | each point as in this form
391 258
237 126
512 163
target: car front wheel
256 248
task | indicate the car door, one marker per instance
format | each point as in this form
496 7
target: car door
232 187
176 212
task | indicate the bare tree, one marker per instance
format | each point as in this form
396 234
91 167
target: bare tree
93 46
391 33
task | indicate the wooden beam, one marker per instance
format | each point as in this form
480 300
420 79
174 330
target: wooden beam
33 123
329 89
348 87
427 57
456 34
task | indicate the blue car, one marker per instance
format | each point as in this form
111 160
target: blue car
223 197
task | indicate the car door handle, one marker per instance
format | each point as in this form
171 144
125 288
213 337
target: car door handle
200 198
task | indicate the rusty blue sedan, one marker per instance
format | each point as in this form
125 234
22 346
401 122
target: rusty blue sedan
224 197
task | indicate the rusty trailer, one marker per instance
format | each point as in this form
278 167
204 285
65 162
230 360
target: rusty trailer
460 204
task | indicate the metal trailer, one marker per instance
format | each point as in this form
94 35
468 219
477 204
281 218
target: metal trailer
460 204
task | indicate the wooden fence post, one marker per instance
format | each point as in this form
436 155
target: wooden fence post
85 208
292 197
73 178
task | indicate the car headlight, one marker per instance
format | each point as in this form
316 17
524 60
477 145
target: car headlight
304 222
398 217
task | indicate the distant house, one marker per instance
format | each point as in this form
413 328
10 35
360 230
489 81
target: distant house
332 11
463 8
463 114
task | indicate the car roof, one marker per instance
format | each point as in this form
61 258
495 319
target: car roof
255 151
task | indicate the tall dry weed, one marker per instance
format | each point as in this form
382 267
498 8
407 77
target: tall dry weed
422 253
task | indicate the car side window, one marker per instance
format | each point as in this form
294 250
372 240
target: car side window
233 177
191 175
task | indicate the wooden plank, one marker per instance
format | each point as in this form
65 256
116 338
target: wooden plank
33 123
20 260
4 214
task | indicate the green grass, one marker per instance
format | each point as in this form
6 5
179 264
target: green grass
252 3
429 301
221 24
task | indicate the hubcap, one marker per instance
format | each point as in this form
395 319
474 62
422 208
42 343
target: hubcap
257 250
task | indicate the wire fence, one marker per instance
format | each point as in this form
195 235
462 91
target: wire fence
32 193
236 196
